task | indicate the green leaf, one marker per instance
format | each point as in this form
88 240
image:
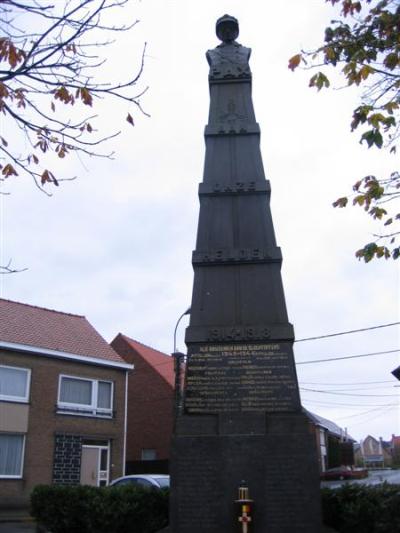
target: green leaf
372 137
319 80
391 61
341 202
360 199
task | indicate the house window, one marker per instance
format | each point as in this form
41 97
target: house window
11 455
14 383
85 396
149 454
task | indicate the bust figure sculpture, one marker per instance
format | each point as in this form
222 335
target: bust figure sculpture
229 60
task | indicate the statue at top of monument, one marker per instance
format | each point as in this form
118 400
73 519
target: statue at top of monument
229 60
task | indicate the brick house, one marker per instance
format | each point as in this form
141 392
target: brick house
374 453
62 402
334 445
150 405
395 450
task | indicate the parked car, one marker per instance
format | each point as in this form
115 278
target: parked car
155 481
344 472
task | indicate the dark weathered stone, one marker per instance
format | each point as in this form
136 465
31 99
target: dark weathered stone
242 417
67 459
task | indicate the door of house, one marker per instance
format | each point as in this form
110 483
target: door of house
95 465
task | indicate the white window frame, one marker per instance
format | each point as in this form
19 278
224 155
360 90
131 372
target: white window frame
82 409
20 399
16 476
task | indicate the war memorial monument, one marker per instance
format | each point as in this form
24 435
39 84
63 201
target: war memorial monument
243 457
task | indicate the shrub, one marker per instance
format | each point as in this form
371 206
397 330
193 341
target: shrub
362 508
78 509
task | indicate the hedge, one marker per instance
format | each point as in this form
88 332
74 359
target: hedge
351 508
354 508
78 509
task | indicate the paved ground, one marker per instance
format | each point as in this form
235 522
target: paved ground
374 478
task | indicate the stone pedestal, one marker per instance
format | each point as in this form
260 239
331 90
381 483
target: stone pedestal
273 454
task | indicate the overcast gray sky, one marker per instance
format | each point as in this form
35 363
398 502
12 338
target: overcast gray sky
115 245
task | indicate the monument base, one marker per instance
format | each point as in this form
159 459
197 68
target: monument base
275 455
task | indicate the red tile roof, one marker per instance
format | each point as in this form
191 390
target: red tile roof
161 362
395 441
53 330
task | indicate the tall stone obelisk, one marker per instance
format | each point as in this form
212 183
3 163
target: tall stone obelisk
242 422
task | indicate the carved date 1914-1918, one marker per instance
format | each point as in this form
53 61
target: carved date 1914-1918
238 333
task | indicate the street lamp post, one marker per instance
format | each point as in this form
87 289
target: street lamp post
179 356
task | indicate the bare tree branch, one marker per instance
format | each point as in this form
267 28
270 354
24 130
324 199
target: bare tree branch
7 269
59 65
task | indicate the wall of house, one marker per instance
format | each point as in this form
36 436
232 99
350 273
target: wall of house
45 426
150 407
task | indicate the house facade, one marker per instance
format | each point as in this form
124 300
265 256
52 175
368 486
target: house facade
150 405
395 450
62 402
375 453
334 445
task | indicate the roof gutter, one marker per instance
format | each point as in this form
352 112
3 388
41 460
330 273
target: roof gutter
63 355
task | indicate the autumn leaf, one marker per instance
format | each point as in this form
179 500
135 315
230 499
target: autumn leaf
10 53
365 71
363 42
294 62
4 92
85 96
61 150
64 95
130 119
42 144
9 170
48 176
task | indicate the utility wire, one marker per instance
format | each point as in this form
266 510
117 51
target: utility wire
343 405
371 418
357 389
345 384
346 357
369 411
347 332
348 394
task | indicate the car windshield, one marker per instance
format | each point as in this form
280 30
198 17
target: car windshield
162 481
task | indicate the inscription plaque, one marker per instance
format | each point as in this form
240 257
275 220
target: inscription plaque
236 255
241 377
237 188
